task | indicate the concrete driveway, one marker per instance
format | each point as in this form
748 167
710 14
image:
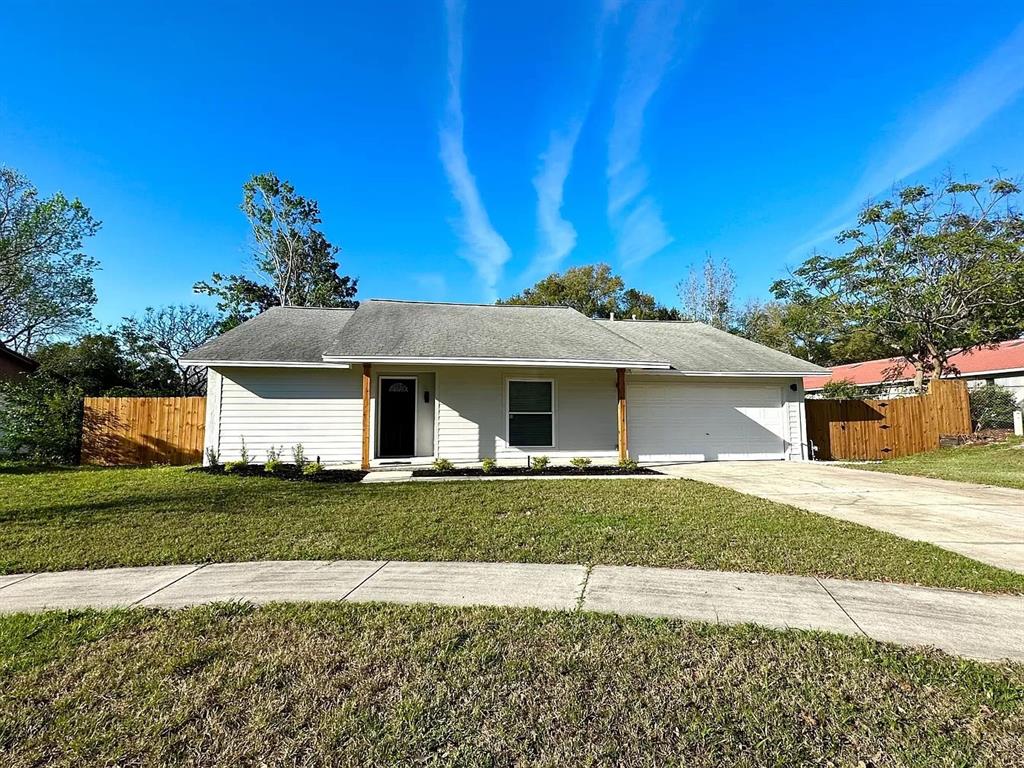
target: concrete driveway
978 521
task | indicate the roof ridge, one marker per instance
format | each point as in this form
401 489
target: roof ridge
471 304
645 320
298 306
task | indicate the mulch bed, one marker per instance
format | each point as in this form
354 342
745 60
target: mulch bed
288 472
525 472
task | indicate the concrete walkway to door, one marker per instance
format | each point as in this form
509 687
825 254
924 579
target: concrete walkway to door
979 521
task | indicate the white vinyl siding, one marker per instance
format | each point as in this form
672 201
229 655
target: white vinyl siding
670 418
796 425
471 413
707 420
274 407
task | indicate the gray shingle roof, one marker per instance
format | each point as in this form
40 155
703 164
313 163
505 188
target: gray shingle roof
279 335
405 329
699 348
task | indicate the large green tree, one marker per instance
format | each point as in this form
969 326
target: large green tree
595 291
295 264
796 329
46 280
929 272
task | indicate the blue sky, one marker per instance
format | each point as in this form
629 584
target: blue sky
460 150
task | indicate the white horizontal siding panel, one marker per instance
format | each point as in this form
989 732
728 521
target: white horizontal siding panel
469 404
278 407
472 413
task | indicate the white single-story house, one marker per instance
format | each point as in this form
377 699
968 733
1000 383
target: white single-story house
408 382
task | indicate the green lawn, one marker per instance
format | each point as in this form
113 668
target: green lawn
338 684
60 520
999 464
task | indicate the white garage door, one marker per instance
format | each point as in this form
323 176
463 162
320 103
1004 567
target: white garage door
689 421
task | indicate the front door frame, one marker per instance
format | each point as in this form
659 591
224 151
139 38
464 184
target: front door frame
415 412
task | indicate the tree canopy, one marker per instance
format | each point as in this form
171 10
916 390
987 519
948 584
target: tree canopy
294 262
46 280
167 334
797 330
929 272
595 291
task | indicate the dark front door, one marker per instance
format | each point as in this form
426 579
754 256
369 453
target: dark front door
397 418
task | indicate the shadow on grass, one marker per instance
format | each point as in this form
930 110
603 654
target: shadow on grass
27 468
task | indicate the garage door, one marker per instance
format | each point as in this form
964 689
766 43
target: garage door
687 421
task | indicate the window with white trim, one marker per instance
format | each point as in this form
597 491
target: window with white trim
531 413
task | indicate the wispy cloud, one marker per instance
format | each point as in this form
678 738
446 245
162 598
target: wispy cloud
557 234
635 215
482 246
932 132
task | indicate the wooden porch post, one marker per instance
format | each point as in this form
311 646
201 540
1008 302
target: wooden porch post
620 382
366 416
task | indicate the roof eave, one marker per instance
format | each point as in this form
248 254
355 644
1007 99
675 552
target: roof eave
500 361
262 364
745 374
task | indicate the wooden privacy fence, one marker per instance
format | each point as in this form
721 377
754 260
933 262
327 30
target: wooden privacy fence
885 429
143 430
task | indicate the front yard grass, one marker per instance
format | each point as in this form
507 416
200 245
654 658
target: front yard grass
101 518
340 684
1000 464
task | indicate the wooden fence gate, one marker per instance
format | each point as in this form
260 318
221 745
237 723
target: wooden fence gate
143 430
885 429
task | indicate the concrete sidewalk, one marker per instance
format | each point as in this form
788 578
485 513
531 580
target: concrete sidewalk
979 521
964 623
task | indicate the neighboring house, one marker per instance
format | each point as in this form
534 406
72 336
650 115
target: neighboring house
13 364
398 382
1001 364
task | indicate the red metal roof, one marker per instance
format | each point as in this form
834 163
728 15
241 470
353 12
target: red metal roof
1007 356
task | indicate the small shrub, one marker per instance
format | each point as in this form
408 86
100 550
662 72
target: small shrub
243 455
628 464
488 465
312 467
299 456
40 419
992 407
235 466
537 463
443 465
212 457
580 462
273 463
